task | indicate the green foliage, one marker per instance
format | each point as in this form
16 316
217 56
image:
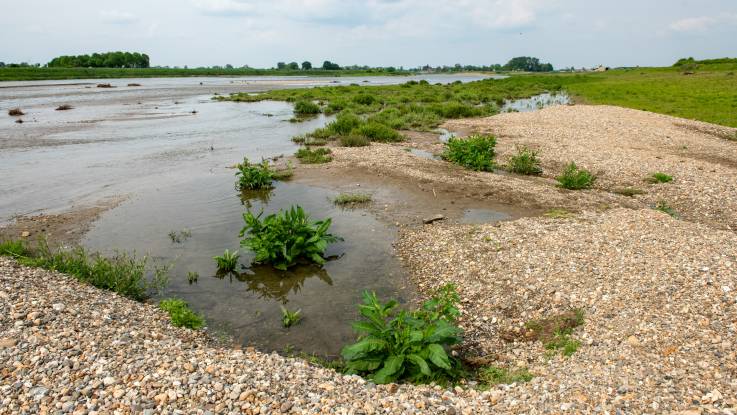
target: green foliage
344 124
192 277
284 238
305 107
406 345
228 261
102 60
475 152
180 314
14 248
527 64
563 342
659 177
558 213
375 131
344 199
525 162
354 141
254 176
318 155
290 318
492 375
574 178
664 207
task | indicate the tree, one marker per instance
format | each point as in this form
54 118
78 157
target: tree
306 65
281 65
293 66
327 65
528 64
228 66
98 60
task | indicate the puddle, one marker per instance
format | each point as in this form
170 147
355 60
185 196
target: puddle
424 154
535 103
445 135
478 216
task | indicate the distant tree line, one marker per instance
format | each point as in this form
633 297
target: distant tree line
20 65
527 64
306 66
102 60
692 61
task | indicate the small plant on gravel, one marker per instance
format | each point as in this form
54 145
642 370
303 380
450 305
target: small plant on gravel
558 214
192 277
181 315
493 375
345 199
15 112
406 345
227 262
525 162
660 178
305 107
475 152
664 207
629 191
354 141
284 238
563 342
290 318
318 155
254 176
555 332
574 178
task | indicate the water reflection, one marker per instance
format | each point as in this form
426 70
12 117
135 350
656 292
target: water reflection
262 196
268 283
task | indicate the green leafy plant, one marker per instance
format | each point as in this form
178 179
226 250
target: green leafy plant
180 314
406 345
493 375
290 318
375 131
525 162
283 238
13 248
254 176
574 178
318 155
354 141
345 199
664 207
475 152
228 261
304 107
659 177
192 277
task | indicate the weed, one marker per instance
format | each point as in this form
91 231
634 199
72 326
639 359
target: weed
558 213
290 318
663 206
660 178
398 345
283 174
64 107
13 248
254 176
283 238
574 178
15 112
628 191
354 141
493 375
304 107
345 199
475 152
192 277
525 162
228 261
314 141
318 155
180 314
344 124
299 139
179 237
555 332
375 131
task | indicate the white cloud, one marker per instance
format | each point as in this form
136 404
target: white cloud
117 17
702 23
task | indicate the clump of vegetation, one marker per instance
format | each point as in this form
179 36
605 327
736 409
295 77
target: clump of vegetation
15 112
664 207
284 238
375 131
574 178
563 342
659 177
64 107
179 237
406 345
493 375
254 176
104 86
629 191
525 162
558 213
555 332
192 277
283 174
290 318
227 262
345 199
475 152
354 141
316 156
305 107
123 274
180 314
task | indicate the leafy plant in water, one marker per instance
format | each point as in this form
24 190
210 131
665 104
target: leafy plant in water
304 107
574 178
318 155
290 318
283 238
254 176
228 261
525 162
475 152
180 314
344 199
398 345
192 277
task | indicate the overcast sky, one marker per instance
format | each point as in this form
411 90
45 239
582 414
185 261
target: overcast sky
375 32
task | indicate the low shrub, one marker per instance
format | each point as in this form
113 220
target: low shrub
180 314
227 262
318 155
364 99
304 107
660 178
284 238
344 123
525 162
254 176
344 199
375 131
475 152
574 178
354 140
406 345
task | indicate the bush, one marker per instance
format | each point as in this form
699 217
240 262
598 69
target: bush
398 345
475 152
318 155
574 178
525 162
354 140
364 99
254 176
227 262
305 107
660 178
181 315
284 238
344 123
351 198
375 131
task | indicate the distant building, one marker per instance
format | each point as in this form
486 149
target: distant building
601 68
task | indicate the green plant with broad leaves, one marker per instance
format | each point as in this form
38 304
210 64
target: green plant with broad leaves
290 318
254 176
181 315
228 261
398 345
282 239
525 162
475 152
